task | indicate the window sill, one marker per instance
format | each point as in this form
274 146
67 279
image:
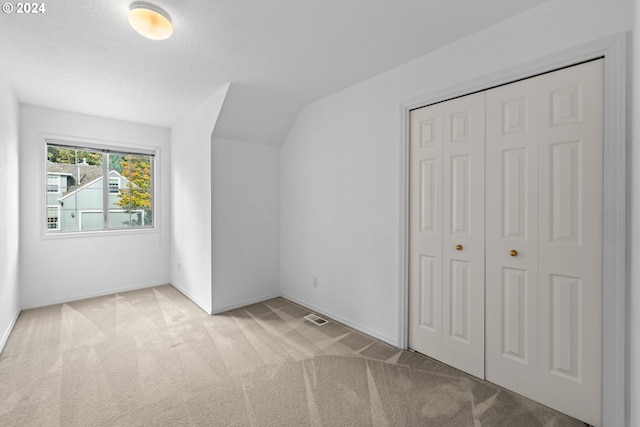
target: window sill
100 234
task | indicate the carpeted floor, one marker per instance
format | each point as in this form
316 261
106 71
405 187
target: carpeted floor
151 357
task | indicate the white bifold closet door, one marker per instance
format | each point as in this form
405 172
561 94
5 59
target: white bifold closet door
539 145
446 264
544 238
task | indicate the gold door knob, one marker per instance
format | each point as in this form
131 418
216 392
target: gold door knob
458 247
513 252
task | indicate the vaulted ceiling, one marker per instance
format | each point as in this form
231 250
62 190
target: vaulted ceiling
83 56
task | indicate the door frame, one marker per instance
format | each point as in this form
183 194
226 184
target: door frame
614 314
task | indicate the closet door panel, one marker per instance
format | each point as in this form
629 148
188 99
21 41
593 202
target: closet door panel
570 239
463 233
425 234
511 209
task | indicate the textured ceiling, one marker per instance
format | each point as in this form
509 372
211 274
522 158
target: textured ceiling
82 56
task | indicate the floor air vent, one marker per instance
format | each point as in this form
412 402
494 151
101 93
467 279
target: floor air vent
316 319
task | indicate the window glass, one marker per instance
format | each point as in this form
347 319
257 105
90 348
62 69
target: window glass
76 189
132 204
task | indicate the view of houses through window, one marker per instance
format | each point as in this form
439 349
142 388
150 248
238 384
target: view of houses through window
78 199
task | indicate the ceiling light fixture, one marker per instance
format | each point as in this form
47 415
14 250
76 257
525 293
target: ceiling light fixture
150 20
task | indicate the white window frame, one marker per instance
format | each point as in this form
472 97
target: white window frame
102 146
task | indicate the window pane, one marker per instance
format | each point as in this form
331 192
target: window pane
134 197
73 185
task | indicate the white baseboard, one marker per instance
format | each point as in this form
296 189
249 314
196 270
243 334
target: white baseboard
5 337
92 295
196 301
245 303
342 320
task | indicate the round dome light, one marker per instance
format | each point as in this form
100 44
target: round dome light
150 20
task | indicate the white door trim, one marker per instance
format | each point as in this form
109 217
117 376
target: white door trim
614 327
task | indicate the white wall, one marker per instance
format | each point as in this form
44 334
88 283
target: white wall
62 269
9 211
340 165
245 223
191 201
256 115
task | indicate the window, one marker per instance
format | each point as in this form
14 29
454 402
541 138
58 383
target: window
53 183
114 185
53 218
85 203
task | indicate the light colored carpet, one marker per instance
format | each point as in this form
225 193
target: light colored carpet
151 357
